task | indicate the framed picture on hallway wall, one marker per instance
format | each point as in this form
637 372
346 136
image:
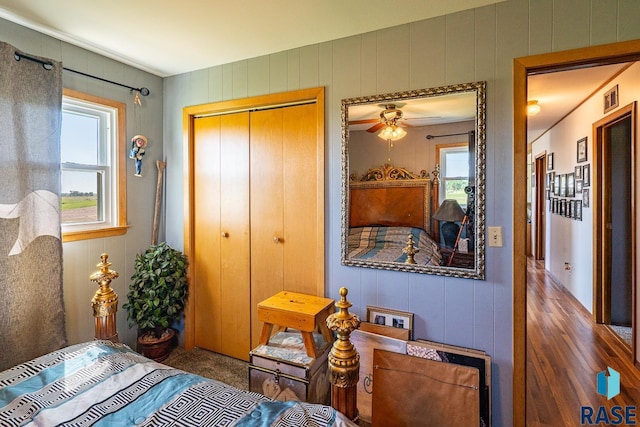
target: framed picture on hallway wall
550 161
585 198
582 150
611 99
586 175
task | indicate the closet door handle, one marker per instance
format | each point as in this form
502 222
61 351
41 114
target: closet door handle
276 239
225 234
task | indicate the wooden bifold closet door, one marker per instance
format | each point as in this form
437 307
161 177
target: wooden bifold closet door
284 218
221 228
257 219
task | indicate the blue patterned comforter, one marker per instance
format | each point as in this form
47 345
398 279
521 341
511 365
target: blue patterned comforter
385 244
104 384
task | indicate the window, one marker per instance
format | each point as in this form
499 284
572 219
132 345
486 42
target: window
93 172
454 172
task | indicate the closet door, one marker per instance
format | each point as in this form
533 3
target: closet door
221 230
286 205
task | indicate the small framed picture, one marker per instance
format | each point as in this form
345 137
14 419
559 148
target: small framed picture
556 185
578 186
582 150
550 161
585 198
563 185
578 172
611 99
586 175
571 185
577 210
394 318
569 211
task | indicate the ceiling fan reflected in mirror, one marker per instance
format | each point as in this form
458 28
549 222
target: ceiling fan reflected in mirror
390 122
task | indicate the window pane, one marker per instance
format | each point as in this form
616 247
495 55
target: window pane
454 189
80 196
79 139
457 163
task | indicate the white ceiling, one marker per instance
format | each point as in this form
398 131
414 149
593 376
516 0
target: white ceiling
560 93
165 37
168 37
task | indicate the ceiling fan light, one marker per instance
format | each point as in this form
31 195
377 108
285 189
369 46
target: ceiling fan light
532 108
392 133
398 133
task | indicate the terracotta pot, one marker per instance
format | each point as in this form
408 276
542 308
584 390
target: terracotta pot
157 349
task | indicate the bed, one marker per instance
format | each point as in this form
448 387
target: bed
106 383
101 383
389 214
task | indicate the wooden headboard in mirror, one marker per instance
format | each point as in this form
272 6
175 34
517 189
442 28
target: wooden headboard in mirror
405 132
391 196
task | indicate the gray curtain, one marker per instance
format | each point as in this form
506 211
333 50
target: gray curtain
31 303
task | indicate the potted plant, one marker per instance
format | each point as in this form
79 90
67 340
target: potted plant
156 298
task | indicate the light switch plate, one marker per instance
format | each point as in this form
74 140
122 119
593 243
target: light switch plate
495 236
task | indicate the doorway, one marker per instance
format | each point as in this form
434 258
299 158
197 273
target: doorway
522 68
614 273
540 216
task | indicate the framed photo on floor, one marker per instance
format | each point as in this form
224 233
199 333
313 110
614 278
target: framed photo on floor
387 317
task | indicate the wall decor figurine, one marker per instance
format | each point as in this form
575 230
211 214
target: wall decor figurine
138 145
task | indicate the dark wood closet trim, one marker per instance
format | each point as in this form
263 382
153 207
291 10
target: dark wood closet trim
522 68
189 114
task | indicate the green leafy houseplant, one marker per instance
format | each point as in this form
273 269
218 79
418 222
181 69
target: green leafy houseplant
158 290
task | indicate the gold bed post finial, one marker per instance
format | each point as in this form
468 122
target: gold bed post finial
410 250
105 301
344 360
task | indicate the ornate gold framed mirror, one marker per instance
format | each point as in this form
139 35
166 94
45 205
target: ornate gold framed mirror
413 181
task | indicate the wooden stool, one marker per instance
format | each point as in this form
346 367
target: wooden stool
305 313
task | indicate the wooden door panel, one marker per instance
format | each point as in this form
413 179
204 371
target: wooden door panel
206 280
235 298
266 210
300 200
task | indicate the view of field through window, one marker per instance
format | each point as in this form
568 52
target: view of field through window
79 148
455 177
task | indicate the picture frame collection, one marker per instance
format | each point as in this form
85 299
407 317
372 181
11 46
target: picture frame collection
568 193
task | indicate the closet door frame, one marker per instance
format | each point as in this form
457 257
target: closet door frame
312 95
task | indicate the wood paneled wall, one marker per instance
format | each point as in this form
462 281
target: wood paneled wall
467 46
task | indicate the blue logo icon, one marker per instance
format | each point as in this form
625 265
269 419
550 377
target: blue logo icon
609 383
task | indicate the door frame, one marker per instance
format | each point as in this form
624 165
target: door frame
522 68
601 204
189 114
540 165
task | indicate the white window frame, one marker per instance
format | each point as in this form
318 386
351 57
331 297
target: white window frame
443 150
111 166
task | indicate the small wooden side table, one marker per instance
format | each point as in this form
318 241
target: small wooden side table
306 313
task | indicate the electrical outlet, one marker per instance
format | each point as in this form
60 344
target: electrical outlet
495 236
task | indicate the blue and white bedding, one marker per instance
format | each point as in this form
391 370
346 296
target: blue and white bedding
385 244
100 383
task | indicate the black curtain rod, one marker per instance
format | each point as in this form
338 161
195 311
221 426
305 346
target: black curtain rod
48 66
451 134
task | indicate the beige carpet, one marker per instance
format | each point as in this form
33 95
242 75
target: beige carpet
211 365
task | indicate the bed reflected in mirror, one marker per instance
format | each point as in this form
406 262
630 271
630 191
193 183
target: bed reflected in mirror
413 176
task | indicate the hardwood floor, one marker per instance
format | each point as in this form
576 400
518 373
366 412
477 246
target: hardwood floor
565 351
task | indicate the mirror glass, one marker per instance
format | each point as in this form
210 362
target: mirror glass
413 181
